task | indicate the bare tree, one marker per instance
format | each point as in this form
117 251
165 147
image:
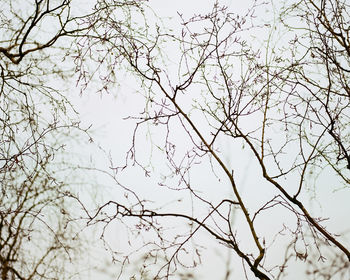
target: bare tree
326 89
283 104
286 107
38 240
320 77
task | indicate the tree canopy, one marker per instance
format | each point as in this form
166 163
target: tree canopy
237 139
